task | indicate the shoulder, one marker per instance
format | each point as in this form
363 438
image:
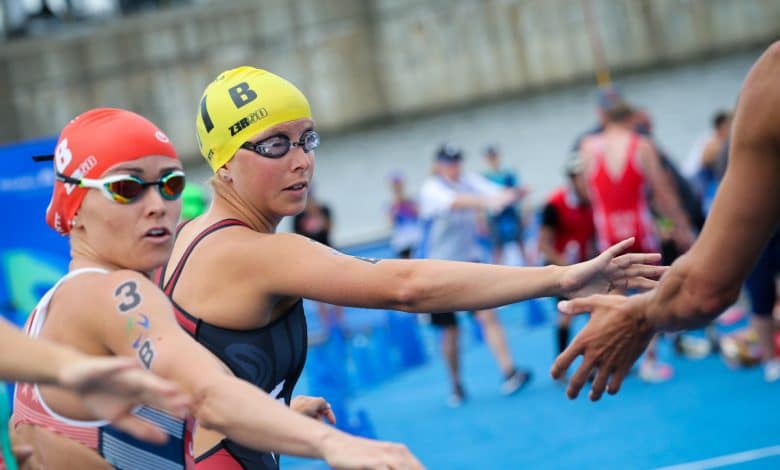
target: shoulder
239 250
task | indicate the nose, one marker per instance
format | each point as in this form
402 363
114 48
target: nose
154 204
300 160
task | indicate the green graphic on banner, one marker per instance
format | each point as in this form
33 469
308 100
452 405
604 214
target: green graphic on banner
28 275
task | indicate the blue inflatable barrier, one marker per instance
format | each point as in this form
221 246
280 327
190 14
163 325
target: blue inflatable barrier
404 332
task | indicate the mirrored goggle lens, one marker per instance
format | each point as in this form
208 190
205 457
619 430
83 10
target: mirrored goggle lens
172 186
125 190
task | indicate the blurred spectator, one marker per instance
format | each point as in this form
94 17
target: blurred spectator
606 97
449 205
403 219
762 288
687 345
707 161
620 166
505 227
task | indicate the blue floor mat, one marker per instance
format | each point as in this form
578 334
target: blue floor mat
707 410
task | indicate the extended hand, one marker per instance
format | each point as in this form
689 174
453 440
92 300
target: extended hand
314 407
112 386
609 272
615 336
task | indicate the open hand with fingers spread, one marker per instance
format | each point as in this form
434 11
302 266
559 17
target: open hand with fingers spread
611 272
614 338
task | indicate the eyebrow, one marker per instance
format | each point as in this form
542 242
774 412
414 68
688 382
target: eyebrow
140 171
284 132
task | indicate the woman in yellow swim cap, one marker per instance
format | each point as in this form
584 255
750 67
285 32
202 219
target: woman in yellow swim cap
237 284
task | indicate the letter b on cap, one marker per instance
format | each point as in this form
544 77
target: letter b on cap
241 94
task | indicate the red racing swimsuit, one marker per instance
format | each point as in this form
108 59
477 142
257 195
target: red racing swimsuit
620 206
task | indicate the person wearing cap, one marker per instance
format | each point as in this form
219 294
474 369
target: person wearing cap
237 284
740 237
119 205
567 232
505 227
451 201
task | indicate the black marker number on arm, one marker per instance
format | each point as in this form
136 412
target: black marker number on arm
127 292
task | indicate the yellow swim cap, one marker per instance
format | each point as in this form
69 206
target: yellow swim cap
241 103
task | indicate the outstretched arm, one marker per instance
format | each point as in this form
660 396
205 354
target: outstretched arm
317 272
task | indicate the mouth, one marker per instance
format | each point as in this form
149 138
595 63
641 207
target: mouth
157 233
297 186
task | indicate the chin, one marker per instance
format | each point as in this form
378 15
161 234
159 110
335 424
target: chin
148 263
293 209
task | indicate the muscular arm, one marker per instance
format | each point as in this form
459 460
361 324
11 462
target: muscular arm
744 215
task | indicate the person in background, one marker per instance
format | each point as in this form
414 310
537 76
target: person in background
450 202
761 285
567 232
505 227
689 346
404 219
625 175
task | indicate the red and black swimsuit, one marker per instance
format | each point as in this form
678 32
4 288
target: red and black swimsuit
271 357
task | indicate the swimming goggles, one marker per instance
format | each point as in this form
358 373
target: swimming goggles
278 145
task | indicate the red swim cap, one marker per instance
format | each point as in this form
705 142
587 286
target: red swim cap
92 143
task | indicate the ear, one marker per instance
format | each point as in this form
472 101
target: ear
224 174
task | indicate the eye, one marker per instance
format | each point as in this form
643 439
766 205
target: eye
127 188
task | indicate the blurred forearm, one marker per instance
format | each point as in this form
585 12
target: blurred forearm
27 359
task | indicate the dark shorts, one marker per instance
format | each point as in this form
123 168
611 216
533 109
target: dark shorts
761 282
445 320
505 227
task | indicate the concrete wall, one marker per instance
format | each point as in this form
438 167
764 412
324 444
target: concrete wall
358 61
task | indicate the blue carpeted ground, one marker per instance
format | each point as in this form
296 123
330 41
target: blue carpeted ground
705 411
